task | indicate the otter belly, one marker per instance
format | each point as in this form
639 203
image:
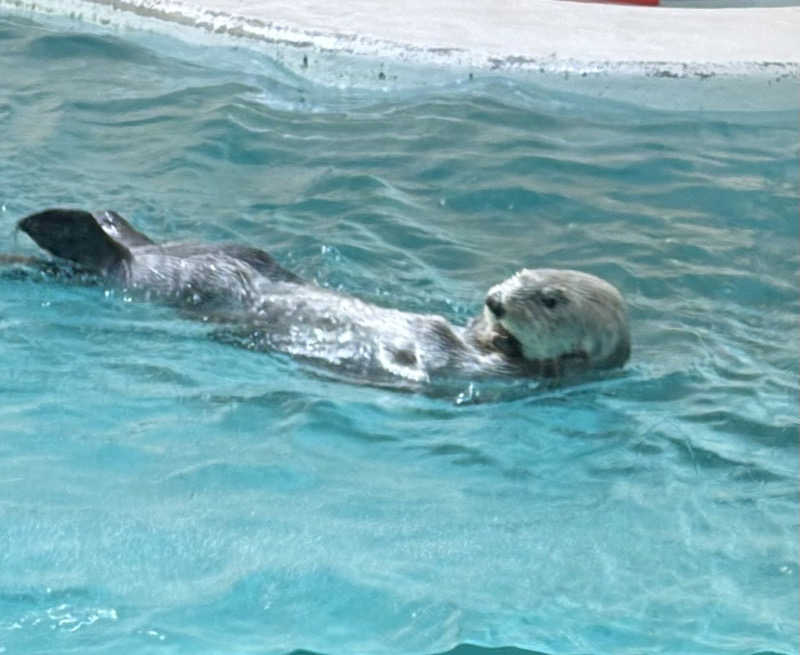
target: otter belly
357 338
256 311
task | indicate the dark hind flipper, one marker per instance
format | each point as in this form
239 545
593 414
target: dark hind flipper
77 236
120 230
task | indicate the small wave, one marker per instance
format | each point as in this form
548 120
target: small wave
468 649
87 46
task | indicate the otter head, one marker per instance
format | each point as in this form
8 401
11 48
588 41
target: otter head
551 321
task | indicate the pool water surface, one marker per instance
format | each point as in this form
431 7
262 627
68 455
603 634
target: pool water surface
161 491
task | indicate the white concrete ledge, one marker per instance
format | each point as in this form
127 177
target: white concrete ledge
541 37
539 29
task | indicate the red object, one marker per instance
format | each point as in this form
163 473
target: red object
642 3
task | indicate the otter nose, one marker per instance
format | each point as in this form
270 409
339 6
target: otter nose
495 305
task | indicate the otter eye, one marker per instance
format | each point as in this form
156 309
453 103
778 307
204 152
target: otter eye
550 297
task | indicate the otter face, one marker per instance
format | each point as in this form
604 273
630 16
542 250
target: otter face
550 315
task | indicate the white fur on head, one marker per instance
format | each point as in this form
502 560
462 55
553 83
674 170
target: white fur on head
555 313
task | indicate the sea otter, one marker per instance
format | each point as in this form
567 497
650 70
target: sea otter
540 323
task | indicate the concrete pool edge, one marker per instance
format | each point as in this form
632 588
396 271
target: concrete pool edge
643 51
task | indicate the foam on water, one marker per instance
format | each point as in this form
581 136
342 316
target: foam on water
161 491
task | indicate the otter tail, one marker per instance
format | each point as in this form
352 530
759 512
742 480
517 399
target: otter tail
98 242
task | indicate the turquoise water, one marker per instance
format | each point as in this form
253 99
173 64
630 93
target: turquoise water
161 492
